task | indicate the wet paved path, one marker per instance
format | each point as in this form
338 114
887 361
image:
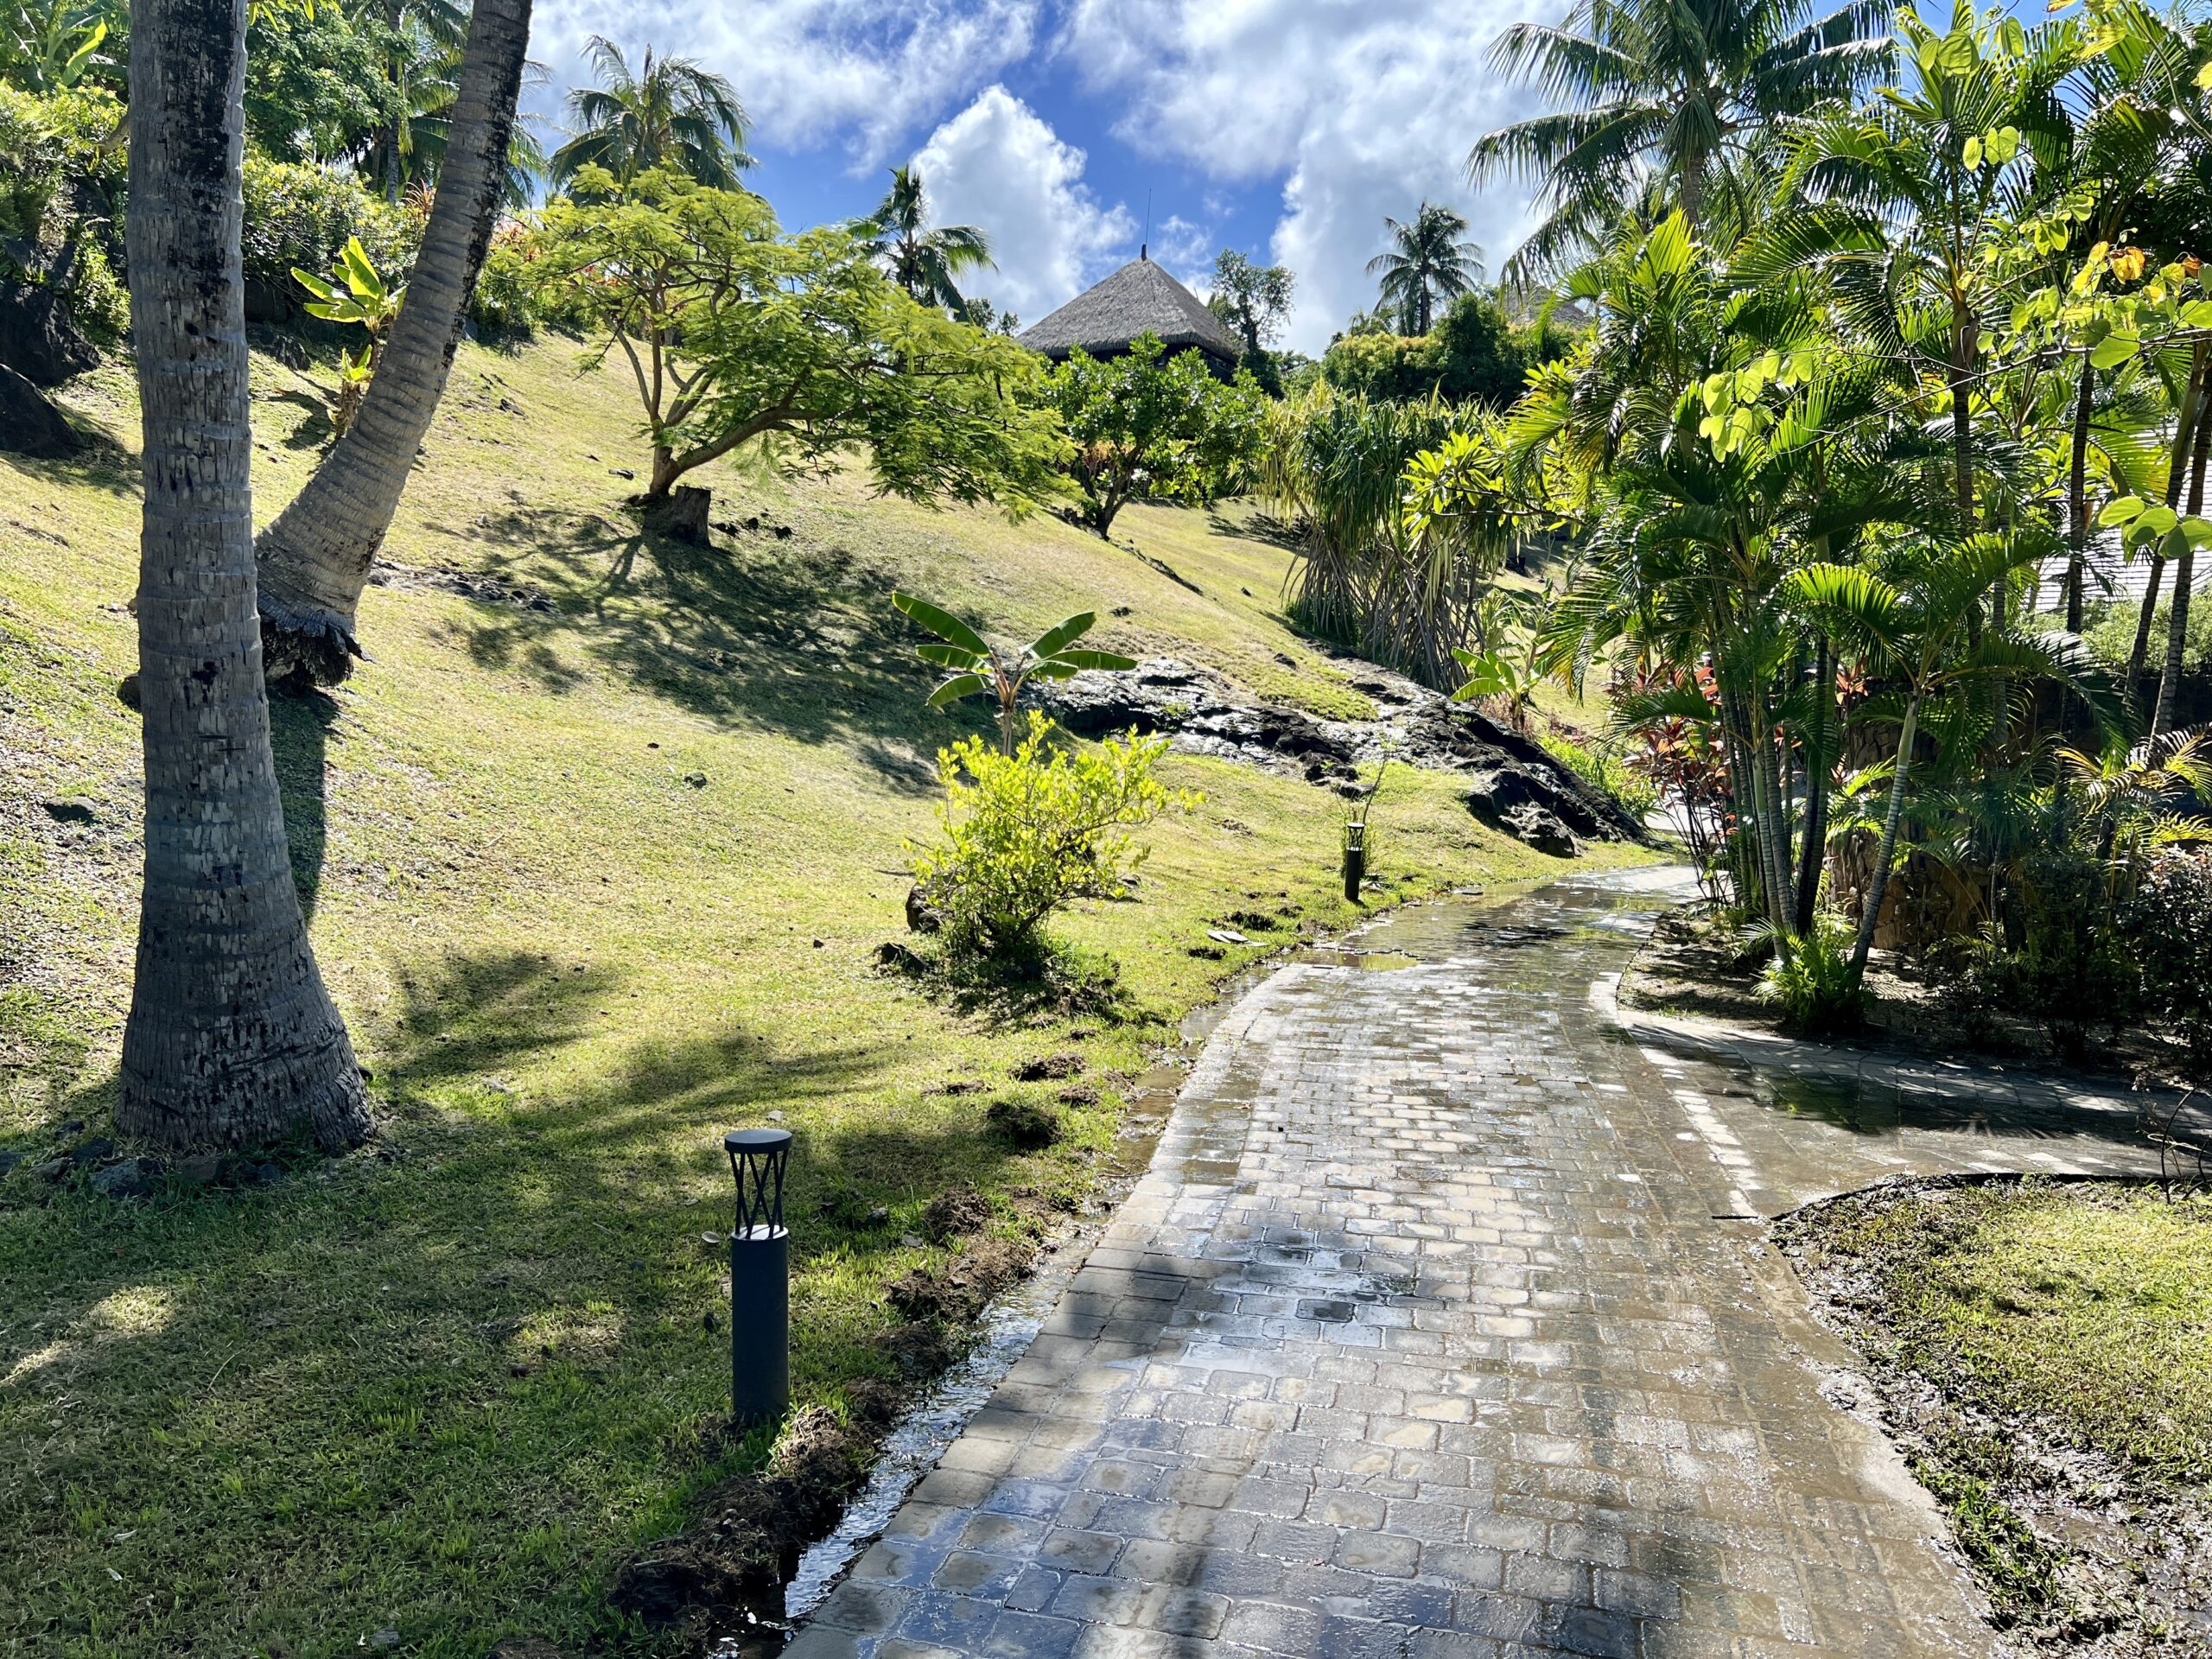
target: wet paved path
1429 1332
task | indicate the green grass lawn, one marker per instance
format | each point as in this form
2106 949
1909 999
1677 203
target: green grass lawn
444 1386
2047 1323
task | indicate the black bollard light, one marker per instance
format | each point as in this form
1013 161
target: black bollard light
759 1278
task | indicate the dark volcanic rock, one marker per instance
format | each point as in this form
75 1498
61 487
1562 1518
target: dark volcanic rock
29 423
1518 787
131 1179
1532 804
39 336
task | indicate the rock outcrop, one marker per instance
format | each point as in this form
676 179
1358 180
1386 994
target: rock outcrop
1515 785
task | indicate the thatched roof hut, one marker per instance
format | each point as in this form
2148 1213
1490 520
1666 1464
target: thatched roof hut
1139 298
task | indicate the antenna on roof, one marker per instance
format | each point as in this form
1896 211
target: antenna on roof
1144 248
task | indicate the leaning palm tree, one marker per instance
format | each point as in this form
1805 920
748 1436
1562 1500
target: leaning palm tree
1690 93
668 112
232 1037
1427 260
314 559
925 263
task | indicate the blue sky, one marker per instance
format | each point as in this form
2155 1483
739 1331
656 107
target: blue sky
1284 128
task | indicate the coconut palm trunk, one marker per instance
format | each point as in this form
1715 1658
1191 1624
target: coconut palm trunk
232 1037
316 557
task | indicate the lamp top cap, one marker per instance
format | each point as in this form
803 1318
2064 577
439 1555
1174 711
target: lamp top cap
756 1140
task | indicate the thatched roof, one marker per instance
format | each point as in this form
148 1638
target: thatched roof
1138 298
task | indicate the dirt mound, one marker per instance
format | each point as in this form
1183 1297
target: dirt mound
956 1210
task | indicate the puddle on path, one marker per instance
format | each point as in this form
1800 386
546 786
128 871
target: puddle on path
1373 961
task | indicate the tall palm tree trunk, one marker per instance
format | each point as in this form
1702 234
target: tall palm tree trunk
1819 762
2077 497
2162 718
232 1037
2185 421
315 558
1886 849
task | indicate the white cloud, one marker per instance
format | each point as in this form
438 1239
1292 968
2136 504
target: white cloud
998 166
867 72
1367 108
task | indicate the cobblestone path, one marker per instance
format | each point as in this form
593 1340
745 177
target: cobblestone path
1436 1329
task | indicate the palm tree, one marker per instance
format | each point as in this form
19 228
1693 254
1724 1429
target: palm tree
2124 147
1895 203
669 112
425 38
925 263
232 1037
314 559
1687 95
1910 625
1427 261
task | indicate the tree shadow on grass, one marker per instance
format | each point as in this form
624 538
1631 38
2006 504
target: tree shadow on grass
1054 984
299 730
1258 527
473 1013
754 633
514 1298
102 464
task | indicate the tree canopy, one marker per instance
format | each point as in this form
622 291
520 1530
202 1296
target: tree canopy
1147 423
734 331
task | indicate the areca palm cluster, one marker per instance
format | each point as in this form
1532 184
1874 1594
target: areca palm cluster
1873 369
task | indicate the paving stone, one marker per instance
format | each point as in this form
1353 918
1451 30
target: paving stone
1427 1334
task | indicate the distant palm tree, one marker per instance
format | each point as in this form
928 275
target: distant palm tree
1687 94
923 262
1427 260
669 112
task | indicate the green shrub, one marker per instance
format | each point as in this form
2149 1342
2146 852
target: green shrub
1603 770
1812 980
62 176
505 300
1382 367
2110 636
2071 970
45 142
2165 931
302 216
1026 833
1477 354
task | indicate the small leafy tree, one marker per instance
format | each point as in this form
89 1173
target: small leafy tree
355 293
1154 425
973 665
1253 300
734 331
1027 832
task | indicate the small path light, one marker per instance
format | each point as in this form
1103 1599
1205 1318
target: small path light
759 1278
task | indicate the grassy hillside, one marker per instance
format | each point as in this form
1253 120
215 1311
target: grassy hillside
442 1387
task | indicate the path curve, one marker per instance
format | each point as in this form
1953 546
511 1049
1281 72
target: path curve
1438 1327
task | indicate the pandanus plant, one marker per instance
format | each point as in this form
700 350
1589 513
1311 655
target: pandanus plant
973 666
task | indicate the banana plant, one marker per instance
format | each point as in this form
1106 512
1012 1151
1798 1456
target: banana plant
355 292
973 666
